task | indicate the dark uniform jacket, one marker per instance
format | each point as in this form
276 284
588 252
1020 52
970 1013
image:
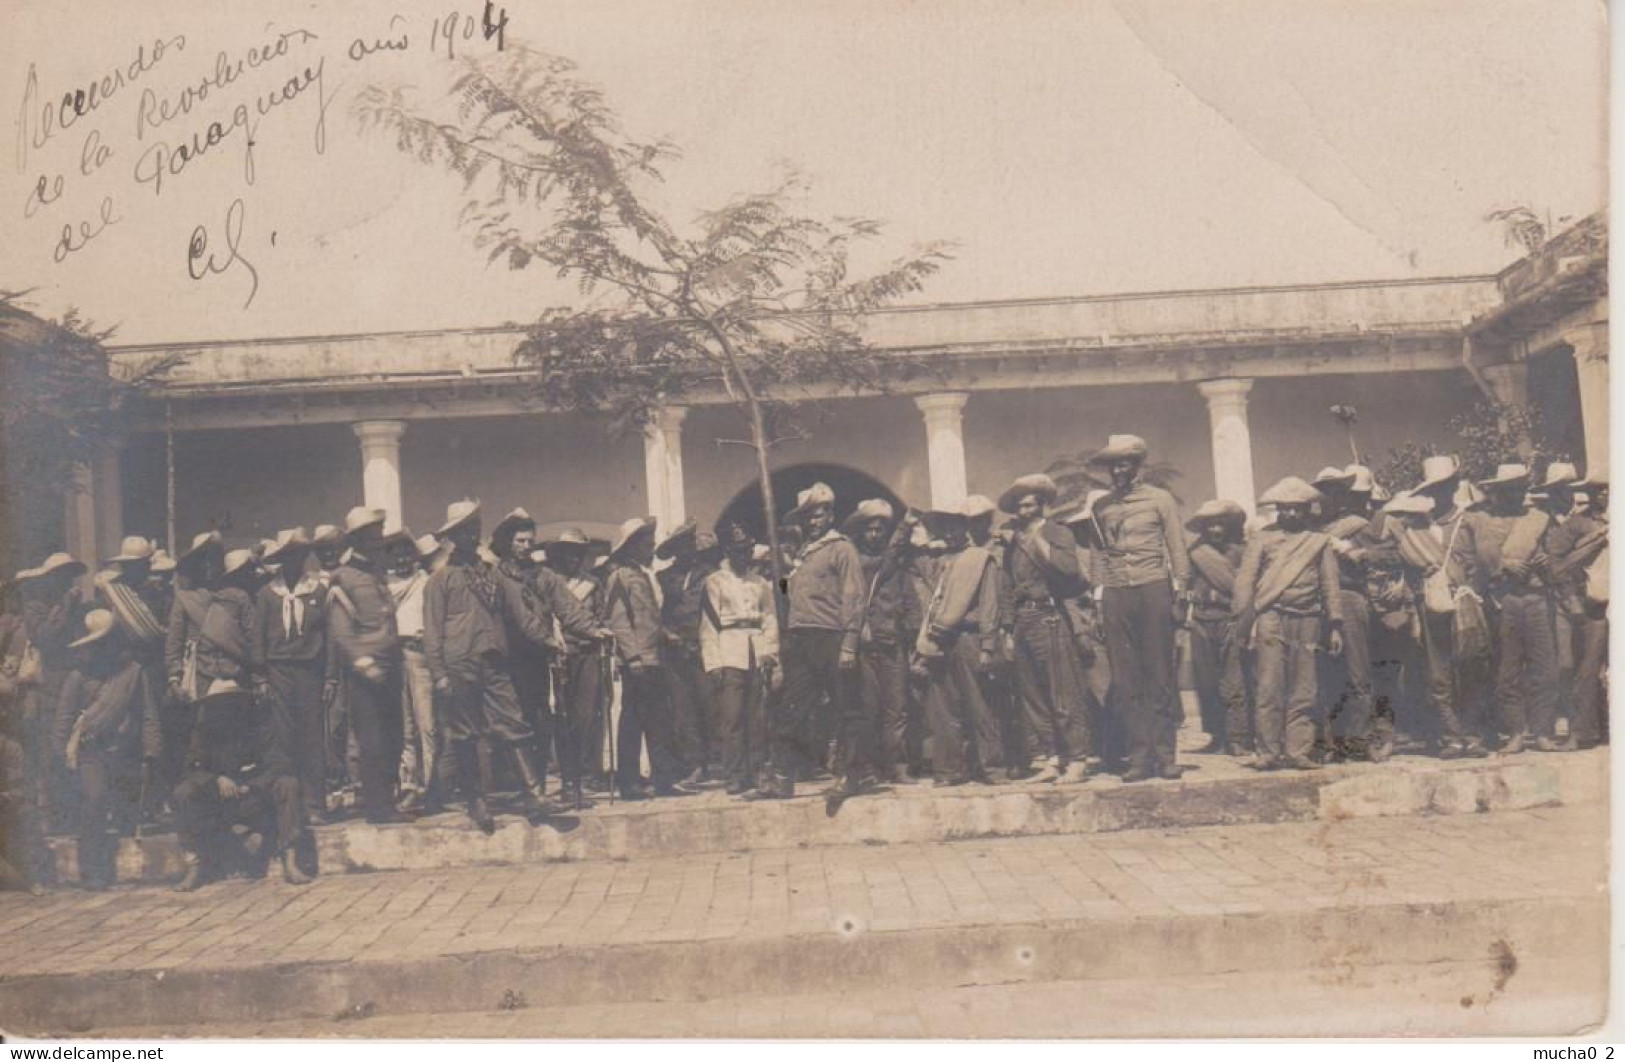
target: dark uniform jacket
361 615
465 615
632 611
1037 579
894 614
292 630
1213 578
684 601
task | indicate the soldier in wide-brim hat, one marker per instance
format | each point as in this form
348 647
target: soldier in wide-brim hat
1286 605
1217 658
1039 561
1143 571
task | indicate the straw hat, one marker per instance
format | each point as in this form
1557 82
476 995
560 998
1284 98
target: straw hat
1437 470
1330 478
1560 474
629 531
516 519
288 540
162 562
1121 448
459 513
1407 502
56 562
99 623
133 548
326 535
867 510
1508 475
978 505
815 495
1218 509
360 518
201 541
1362 481
1290 491
1035 483
237 560
1594 481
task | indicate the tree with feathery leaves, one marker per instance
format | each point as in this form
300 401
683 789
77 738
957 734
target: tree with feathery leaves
752 298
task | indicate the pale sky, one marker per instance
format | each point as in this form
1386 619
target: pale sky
1070 147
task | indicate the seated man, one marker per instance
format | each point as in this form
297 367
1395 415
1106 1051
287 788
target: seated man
239 772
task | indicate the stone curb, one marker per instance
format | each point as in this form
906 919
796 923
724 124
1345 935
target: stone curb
1499 935
916 814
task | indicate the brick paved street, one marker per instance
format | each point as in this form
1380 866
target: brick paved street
852 890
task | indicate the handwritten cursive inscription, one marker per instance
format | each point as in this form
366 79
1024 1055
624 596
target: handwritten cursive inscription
76 238
201 261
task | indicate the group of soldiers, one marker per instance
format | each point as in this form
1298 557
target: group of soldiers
239 692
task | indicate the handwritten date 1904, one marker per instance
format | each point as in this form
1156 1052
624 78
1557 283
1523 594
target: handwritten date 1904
200 261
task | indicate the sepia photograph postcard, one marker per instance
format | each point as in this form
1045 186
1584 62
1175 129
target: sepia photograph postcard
774 520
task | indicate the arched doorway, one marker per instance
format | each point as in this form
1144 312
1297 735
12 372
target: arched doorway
849 484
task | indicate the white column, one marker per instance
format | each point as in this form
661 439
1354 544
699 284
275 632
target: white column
381 466
663 466
945 446
1232 440
1590 345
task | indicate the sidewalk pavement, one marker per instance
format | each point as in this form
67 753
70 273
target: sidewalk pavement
848 891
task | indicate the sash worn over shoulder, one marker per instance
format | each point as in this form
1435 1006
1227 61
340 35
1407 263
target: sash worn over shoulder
223 630
1214 567
1284 572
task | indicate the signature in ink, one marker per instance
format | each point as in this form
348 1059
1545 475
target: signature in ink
201 261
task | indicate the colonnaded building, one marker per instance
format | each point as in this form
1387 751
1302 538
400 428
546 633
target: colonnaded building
1233 387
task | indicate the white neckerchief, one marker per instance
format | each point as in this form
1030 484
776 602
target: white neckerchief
293 608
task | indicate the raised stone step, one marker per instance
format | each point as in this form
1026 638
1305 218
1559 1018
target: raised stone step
1471 899
1216 792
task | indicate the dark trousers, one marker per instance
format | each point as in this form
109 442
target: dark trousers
1140 644
741 734
821 700
1527 682
109 792
693 709
374 710
299 724
1398 681
1219 661
1288 680
581 724
483 704
646 717
883 689
270 804
1050 686
1456 694
962 725
175 720
1589 726
1346 682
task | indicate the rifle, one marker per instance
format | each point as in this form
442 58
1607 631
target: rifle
564 735
606 697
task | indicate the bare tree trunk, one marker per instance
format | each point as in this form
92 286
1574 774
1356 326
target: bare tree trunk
758 433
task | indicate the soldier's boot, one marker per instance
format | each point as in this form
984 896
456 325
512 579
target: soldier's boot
534 783
476 772
193 878
1075 773
290 869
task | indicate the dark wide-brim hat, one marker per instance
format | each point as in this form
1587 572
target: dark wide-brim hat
679 541
630 531
1036 483
1219 510
511 524
1120 448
